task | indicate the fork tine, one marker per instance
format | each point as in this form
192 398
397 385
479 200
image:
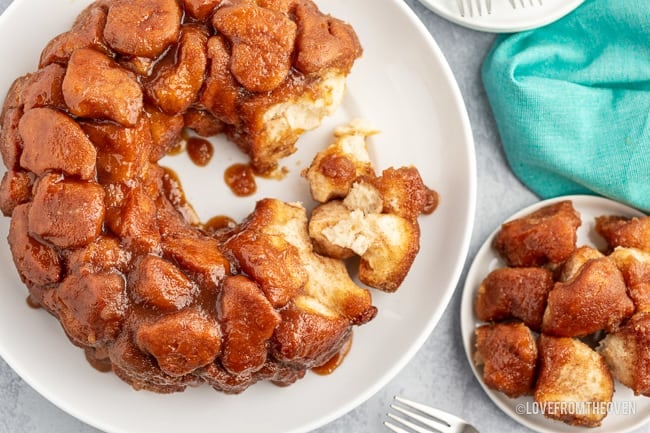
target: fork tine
393 427
489 6
436 413
409 424
461 7
433 423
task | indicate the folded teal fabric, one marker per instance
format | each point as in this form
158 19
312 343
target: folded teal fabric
572 102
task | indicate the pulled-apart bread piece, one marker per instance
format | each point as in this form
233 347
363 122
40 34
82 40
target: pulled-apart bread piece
508 354
374 217
621 231
545 236
514 293
635 267
594 299
627 353
574 384
335 169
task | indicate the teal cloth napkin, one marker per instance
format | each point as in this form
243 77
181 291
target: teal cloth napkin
572 102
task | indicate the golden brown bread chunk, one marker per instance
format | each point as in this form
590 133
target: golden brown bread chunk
202 122
38 264
508 354
634 264
106 254
514 293
627 353
133 219
166 131
574 384
594 299
91 307
353 227
272 262
143 28
386 263
335 169
309 333
140 369
86 32
122 153
575 261
621 231
262 42
248 323
44 88
11 143
178 76
96 86
66 213
160 284
181 342
52 140
15 189
200 9
545 236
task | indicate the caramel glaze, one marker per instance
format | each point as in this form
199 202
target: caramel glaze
335 361
240 178
32 303
103 365
433 200
175 194
200 151
218 223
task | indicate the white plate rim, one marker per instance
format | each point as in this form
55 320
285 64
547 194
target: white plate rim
454 276
484 261
486 23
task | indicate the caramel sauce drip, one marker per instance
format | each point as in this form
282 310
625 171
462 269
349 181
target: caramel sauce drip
219 222
335 361
240 178
174 192
32 303
433 199
200 151
102 365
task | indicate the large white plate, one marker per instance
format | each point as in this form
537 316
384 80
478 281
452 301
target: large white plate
503 17
403 86
620 419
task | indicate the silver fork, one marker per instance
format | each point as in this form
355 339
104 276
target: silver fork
522 3
474 7
424 419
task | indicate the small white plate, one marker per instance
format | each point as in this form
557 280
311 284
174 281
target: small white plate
627 412
412 97
504 18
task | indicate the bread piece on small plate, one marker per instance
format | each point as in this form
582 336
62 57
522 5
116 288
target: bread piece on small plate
574 384
627 353
508 354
